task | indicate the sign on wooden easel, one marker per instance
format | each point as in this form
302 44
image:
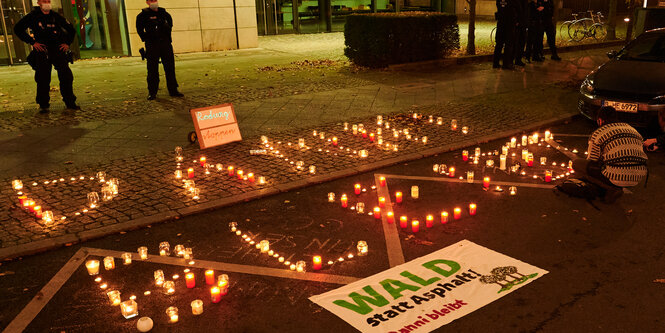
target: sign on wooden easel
215 125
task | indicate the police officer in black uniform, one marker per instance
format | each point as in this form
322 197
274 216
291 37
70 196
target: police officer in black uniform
507 16
548 26
521 31
50 40
154 26
534 40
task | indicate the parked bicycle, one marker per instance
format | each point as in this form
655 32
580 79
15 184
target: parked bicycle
592 27
565 26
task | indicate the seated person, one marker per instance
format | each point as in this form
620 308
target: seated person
615 157
657 143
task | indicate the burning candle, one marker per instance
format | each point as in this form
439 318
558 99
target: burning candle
190 173
371 137
334 140
143 252
231 171
109 263
513 142
316 263
344 200
172 312
92 266
129 309
398 197
126 258
17 184
382 202
457 213
547 135
264 246
178 174
453 124
47 217
164 249
415 225
202 160
210 277
429 221
390 217
362 248
486 182
169 287
250 177
502 162
300 266
189 280
114 297
513 190
159 277
472 209
525 140
529 159
240 174
38 211
402 221
197 307
451 172
357 188
377 212
382 181
548 176
331 196
22 199
465 155
223 284
444 217
415 192
470 176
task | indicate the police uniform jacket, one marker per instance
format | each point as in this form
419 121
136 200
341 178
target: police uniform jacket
50 29
548 9
154 26
508 10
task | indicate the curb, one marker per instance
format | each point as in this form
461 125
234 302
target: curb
67 240
480 58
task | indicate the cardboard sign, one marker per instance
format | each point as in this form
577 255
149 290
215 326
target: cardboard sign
429 292
215 125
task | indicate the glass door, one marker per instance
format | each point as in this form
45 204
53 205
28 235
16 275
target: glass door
275 17
100 27
12 49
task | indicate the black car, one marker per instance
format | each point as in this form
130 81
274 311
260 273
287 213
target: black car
632 81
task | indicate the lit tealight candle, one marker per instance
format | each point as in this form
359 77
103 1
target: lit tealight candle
172 312
457 213
210 277
38 211
357 188
231 171
197 307
429 221
513 190
382 202
451 172
202 160
126 258
398 197
390 217
316 263
240 174
109 263
486 182
114 297
143 252
382 181
169 287
250 177
548 176
190 173
472 209
402 221
215 294
129 309
344 200
190 281
415 225
92 266
465 155
377 212
223 284
444 217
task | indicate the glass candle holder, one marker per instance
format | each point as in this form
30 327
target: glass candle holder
360 207
93 199
465 130
301 266
109 263
543 160
179 250
114 297
439 120
346 126
188 254
424 139
362 248
129 309
17 184
126 258
443 169
264 246
164 249
177 174
195 193
415 192
363 153
178 153
453 124
92 266
47 217
312 169
172 313
114 183
489 163
143 252
169 287
331 196
107 193
197 307
233 226
223 283
513 190
159 277
469 177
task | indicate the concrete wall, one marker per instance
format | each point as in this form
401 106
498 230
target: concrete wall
201 25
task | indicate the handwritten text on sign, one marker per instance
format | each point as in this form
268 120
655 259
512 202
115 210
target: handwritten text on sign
215 125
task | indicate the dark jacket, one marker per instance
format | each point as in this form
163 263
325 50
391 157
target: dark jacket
535 17
548 11
523 12
50 29
154 26
508 10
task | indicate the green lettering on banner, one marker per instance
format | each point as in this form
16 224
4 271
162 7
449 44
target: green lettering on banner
397 293
360 306
453 267
418 279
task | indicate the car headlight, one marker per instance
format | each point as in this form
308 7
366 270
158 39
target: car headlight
587 86
660 100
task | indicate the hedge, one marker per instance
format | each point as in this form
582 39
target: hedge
378 40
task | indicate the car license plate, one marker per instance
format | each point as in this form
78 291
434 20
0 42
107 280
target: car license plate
622 107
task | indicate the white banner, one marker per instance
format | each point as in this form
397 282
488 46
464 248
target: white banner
430 291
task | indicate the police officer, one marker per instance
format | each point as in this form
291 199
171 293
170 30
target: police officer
534 43
50 40
507 16
154 26
521 31
549 27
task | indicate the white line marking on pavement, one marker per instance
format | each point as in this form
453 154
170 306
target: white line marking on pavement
562 149
393 244
457 180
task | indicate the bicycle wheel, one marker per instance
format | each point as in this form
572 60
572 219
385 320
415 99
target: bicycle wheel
599 31
493 36
563 29
577 31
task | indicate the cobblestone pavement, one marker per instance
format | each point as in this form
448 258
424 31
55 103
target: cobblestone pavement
68 150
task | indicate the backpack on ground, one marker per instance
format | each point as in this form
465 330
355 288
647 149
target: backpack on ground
578 188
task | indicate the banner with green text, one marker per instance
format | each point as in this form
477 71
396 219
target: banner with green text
430 291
